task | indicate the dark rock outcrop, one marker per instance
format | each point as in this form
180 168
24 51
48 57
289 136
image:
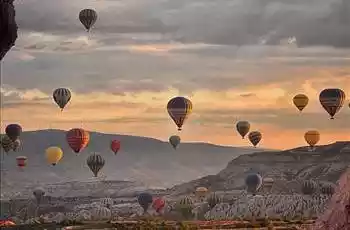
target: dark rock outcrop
8 27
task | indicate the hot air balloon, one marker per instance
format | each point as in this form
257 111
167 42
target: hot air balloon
179 108
174 141
61 96
13 131
213 200
243 128
77 139
88 18
115 146
53 155
332 100
185 206
101 214
201 192
255 137
186 201
21 161
95 162
158 204
107 202
309 187
312 137
38 193
300 101
16 145
253 183
145 200
268 183
327 189
6 143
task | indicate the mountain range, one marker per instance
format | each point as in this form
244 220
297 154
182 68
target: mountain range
149 161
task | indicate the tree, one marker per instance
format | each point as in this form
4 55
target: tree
8 27
337 216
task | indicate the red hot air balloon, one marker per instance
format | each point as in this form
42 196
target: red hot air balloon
77 139
158 204
115 146
21 161
13 131
179 108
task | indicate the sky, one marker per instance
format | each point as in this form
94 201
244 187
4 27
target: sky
232 59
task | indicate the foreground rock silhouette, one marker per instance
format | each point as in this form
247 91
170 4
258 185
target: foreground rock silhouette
337 215
8 27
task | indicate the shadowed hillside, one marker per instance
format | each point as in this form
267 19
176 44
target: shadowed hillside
150 161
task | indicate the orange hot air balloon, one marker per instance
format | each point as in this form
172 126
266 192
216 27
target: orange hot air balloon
21 161
77 139
312 137
300 101
115 146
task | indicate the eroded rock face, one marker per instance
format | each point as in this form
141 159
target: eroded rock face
8 27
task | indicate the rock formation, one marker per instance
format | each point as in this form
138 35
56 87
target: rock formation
8 27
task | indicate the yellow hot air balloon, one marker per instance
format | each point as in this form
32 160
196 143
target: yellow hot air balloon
312 137
300 101
201 192
54 155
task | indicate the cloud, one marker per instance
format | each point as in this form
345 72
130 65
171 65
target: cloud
236 22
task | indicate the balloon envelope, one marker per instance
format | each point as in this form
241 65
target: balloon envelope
145 199
6 143
312 137
13 131
332 100
179 108
255 137
243 128
115 146
21 161
300 101
53 155
95 162
158 204
77 139
88 18
61 96
253 182
174 141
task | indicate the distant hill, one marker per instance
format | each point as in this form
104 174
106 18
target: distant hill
147 160
288 168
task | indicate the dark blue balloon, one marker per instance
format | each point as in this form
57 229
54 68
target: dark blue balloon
253 182
145 200
13 131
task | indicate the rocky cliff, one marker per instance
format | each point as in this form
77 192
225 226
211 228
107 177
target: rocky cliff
8 27
288 169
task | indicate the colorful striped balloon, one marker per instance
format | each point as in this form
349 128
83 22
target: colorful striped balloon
77 139
179 108
255 137
332 100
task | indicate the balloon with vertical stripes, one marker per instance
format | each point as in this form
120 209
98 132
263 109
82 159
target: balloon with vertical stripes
95 162
179 108
6 143
61 96
332 100
88 18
